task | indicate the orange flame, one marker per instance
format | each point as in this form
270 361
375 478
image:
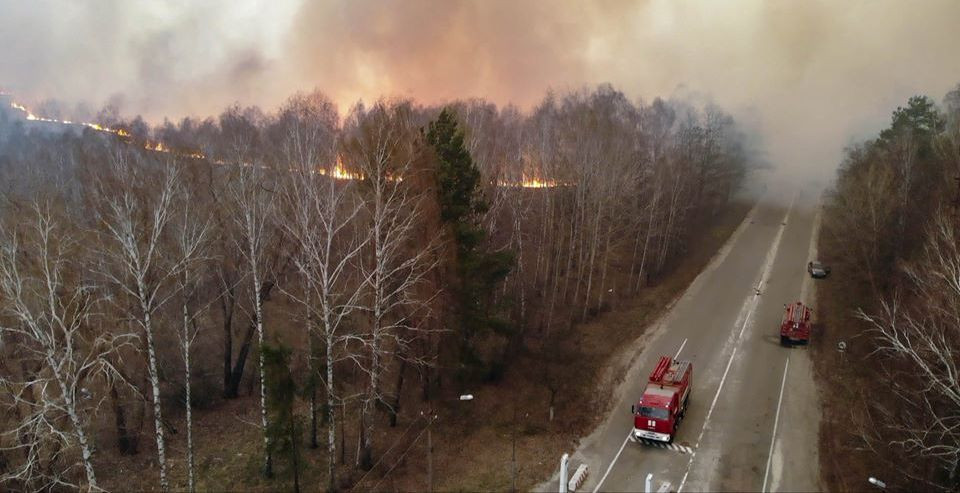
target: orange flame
152 146
157 146
339 172
30 116
538 183
531 182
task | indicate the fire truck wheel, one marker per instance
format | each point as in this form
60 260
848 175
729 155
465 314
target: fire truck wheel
784 341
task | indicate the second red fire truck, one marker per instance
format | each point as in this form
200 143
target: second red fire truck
795 326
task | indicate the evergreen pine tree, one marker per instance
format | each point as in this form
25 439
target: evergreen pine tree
285 428
479 270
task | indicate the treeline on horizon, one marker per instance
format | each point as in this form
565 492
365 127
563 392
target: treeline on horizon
892 231
321 262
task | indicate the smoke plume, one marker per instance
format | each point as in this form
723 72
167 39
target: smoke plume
811 76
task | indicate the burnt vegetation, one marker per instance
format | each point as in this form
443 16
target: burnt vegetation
334 274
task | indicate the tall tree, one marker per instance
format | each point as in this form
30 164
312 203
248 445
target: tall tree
322 223
47 310
478 271
307 127
382 144
253 214
191 239
136 206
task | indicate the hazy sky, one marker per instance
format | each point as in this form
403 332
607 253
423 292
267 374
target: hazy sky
811 75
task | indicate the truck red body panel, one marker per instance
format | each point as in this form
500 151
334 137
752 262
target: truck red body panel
795 326
658 413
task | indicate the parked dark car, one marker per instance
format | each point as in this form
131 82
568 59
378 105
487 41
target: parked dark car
817 270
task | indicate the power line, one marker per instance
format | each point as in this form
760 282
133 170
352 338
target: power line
385 454
400 459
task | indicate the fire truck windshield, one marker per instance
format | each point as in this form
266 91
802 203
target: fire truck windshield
654 412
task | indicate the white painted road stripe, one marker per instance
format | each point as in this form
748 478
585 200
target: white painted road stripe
614 461
776 422
768 265
681 349
683 449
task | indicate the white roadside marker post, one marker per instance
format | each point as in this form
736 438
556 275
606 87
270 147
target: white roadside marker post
563 472
647 485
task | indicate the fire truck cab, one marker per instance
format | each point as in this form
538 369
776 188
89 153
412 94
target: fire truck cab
659 411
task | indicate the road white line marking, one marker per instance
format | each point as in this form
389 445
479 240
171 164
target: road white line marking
811 256
776 422
752 302
681 349
614 461
683 449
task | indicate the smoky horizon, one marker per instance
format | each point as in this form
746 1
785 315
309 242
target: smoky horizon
480 245
807 78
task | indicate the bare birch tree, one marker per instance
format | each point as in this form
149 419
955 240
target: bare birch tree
382 145
191 239
136 207
321 221
253 211
48 311
308 126
922 341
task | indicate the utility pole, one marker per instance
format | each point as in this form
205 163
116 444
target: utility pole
432 418
514 445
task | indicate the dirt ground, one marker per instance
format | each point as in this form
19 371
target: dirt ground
474 442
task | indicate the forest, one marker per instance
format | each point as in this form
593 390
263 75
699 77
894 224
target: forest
892 230
332 266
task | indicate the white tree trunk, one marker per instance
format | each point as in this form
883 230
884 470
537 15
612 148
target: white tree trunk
593 256
331 416
154 375
646 240
86 454
258 313
191 482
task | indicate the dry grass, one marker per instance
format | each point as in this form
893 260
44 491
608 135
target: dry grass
850 384
839 378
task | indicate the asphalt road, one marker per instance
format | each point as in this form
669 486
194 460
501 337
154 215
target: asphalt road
753 418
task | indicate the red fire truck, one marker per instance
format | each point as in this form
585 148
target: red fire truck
664 402
795 327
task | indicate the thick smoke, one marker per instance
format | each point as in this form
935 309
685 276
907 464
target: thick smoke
153 58
810 75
